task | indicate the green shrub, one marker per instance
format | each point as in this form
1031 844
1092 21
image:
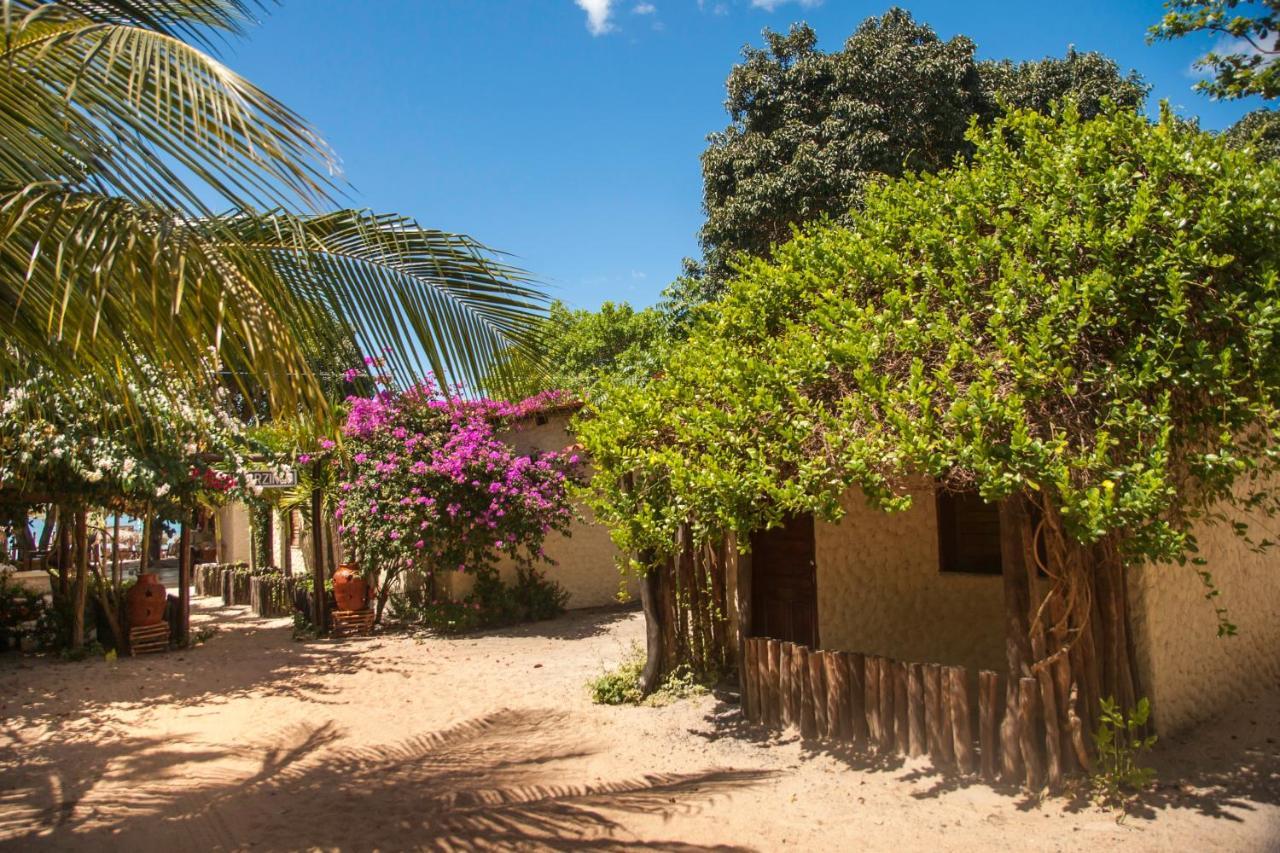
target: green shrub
490 604
1121 742
21 610
621 685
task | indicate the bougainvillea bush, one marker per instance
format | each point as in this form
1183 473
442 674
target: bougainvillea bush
430 488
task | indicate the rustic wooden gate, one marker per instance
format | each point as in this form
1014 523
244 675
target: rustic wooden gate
784 589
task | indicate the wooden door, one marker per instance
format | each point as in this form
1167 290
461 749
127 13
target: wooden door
784 589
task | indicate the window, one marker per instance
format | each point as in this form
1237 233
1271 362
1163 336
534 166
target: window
968 534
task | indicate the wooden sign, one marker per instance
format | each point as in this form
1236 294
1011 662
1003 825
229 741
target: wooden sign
274 479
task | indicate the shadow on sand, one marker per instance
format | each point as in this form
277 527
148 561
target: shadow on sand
1219 770
494 781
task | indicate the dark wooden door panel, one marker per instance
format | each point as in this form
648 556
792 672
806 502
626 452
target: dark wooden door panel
784 593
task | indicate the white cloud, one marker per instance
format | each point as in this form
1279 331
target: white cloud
644 9
598 12
770 5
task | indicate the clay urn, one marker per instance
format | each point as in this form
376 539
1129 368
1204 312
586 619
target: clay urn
350 590
145 602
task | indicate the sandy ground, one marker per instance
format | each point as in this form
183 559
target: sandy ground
255 741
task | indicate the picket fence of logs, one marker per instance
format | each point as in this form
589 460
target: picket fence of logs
887 706
268 593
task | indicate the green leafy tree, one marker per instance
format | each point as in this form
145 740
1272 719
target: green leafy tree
1090 79
1246 65
580 347
1259 129
117 125
810 130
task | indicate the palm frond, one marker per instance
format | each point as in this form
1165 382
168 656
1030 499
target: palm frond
433 301
120 106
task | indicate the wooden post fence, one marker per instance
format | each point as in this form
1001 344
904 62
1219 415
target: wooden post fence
896 708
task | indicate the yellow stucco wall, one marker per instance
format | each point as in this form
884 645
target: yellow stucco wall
1189 673
233 534
880 590
586 560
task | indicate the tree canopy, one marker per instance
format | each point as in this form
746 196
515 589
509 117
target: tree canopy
1090 312
577 348
810 130
1259 129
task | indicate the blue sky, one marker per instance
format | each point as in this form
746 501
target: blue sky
567 132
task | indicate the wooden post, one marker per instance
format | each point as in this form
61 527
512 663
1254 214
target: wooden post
948 728
838 725
887 717
672 616
799 681
933 710
1028 702
184 578
818 687
746 681
317 561
988 697
901 723
742 604
961 722
857 666
759 673
790 710
773 691
915 712
808 720
871 683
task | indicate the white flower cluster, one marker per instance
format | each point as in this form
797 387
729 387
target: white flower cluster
68 437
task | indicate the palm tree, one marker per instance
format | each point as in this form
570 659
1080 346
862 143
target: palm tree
116 127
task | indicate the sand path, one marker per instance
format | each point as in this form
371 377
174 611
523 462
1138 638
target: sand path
255 741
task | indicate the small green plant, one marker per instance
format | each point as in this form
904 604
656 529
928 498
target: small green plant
621 685
681 683
1121 742
303 629
85 652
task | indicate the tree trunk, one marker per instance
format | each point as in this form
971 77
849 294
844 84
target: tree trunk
649 600
330 537
1017 606
64 554
386 580
109 600
144 552
50 522
742 607
82 579
184 578
115 556
317 561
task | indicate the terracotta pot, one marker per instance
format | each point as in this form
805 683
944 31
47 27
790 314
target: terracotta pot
350 590
145 602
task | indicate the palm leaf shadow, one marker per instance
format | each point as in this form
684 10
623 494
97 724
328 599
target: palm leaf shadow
502 780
